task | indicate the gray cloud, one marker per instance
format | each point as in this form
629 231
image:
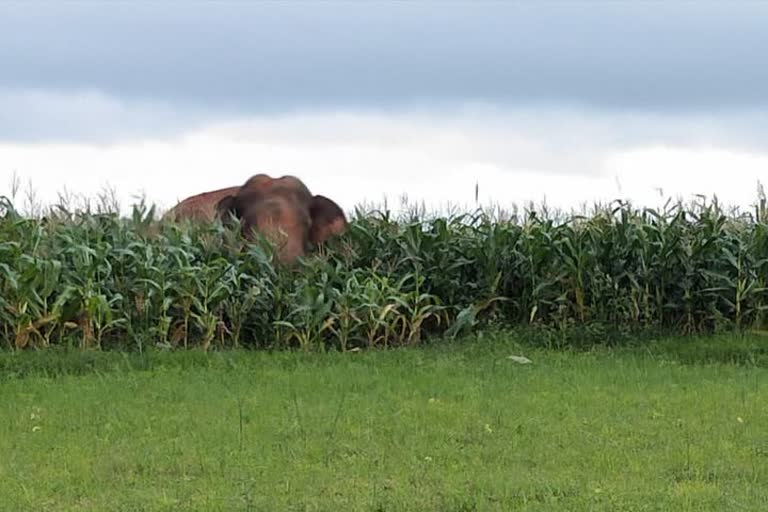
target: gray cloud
44 116
257 57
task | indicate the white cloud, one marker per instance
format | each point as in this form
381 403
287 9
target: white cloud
566 156
730 175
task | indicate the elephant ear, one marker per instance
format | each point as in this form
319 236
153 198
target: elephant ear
226 210
328 219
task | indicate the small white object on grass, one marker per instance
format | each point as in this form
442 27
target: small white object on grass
520 359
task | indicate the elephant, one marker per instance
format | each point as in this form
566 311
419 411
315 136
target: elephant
200 207
282 209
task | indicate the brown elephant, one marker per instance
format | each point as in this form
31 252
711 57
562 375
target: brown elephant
200 207
282 209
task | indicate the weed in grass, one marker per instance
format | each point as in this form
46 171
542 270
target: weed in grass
451 426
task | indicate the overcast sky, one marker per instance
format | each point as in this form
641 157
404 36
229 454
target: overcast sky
574 101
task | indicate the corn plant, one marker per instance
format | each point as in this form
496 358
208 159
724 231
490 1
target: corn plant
101 281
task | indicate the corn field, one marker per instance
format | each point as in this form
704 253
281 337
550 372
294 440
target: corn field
102 281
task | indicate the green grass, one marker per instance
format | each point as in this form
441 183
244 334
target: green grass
672 425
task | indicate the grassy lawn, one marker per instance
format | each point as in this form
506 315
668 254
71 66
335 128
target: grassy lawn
450 428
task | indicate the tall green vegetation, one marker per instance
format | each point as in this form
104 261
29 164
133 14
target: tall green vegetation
98 280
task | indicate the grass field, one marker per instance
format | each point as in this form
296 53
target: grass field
455 427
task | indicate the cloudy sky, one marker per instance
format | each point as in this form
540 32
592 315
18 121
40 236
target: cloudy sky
567 102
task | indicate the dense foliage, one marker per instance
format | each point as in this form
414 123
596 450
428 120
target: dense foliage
101 280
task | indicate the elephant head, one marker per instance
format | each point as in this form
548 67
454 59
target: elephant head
285 212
